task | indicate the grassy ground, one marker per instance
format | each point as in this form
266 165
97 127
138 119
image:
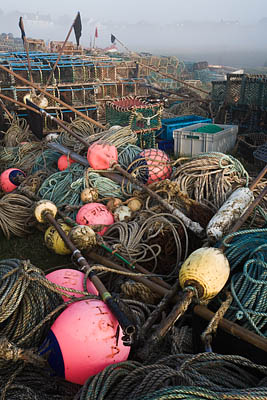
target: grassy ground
31 248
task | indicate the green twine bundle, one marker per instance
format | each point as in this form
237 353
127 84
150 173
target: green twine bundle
22 157
64 187
47 160
105 186
127 153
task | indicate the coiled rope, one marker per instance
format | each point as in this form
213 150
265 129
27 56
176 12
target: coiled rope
35 383
82 128
210 177
105 186
17 132
47 161
127 153
64 187
205 371
132 239
249 287
22 156
16 217
199 393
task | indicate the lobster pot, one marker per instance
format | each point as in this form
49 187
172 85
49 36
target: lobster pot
244 89
127 88
155 61
21 71
64 114
249 143
5 77
106 90
64 73
126 70
77 95
139 115
107 72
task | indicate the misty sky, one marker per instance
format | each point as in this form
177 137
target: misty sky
150 10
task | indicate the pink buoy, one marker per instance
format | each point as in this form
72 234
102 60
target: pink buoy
9 179
83 341
64 162
151 165
101 156
72 279
95 214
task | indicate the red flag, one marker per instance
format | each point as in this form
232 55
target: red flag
96 33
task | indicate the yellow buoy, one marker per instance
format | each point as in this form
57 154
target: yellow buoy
207 269
42 207
54 242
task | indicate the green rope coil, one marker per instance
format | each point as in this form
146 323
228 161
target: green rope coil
127 153
64 187
47 160
105 186
249 287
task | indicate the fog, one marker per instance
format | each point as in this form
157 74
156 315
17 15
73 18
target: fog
230 32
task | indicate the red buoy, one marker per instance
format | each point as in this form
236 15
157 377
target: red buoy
95 214
9 179
64 162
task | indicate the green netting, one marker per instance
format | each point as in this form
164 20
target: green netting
139 119
146 140
209 129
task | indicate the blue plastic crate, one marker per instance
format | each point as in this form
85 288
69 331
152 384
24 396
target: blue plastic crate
166 145
169 125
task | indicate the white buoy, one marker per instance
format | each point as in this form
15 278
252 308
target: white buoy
229 213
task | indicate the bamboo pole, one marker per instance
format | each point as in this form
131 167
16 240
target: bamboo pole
60 54
171 77
33 85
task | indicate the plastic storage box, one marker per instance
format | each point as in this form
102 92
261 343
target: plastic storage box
188 142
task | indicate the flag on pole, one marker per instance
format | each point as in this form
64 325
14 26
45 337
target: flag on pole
78 28
96 33
21 25
113 38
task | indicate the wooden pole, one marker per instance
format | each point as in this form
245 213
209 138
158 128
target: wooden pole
172 77
6 110
60 54
19 103
33 85
26 47
43 112
123 45
233 329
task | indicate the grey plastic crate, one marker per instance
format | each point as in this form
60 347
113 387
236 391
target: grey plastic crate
189 143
